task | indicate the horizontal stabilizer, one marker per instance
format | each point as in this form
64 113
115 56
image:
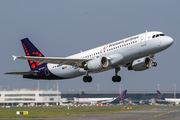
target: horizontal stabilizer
55 60
22 73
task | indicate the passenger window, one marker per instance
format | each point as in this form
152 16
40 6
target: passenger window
153 36
157 35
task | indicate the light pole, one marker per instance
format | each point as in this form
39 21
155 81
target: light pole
47 87
8 87
38 85
158 86
57 94
98 86
119 89
174 90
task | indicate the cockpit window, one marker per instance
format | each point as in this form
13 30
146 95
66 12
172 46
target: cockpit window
157 35
162 34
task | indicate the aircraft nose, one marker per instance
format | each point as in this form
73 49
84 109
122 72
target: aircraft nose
169 41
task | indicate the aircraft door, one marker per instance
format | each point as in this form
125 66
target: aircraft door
143 39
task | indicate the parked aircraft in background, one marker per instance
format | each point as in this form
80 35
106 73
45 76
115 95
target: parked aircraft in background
117 99
135 53
86 100
175 100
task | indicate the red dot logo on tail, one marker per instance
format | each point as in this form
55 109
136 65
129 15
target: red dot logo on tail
122 95
159 95
33 65
30 61
40 55
37 63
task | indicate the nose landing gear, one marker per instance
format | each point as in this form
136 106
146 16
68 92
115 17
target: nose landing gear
154 64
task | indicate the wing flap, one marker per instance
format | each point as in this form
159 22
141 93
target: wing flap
22 73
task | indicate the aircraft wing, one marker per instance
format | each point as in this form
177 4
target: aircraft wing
22 73
77 62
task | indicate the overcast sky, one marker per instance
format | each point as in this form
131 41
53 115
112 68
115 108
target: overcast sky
60 28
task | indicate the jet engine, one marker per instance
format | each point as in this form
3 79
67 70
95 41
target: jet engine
140 64
96 64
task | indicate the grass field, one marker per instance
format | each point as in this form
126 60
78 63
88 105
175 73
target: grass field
54 111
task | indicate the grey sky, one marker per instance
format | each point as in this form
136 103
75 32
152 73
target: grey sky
62 28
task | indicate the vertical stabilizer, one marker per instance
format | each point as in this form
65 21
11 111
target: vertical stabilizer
84 96
123 94
160 96
31 50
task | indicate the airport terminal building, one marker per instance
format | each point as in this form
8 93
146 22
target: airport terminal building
29 97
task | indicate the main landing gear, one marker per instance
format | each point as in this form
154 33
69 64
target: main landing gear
154 64
116 78
87 78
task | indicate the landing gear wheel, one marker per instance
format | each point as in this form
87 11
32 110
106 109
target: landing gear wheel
154 64
87 79
116 79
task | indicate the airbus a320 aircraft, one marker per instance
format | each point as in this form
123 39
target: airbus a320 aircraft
175 100
94 101
136 53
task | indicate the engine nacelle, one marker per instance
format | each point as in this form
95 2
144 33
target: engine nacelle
141 64
97 64
116 59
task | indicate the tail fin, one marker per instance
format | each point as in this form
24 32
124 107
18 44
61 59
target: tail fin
123 94
84 96
31 50
160 96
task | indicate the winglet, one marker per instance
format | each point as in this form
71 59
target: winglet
14 57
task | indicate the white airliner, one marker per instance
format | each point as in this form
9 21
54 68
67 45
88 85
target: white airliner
174 100
94 101
136 53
